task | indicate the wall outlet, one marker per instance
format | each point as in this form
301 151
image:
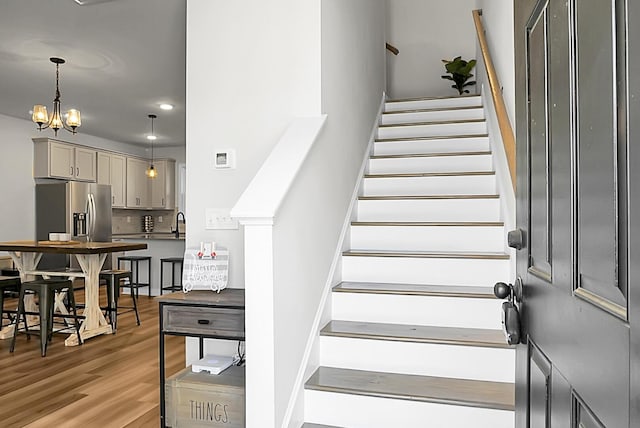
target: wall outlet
128 219
219 218
159 219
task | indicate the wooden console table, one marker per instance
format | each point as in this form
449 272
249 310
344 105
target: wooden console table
203 314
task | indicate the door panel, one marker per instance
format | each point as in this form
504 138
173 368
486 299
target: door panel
539 388
571 85
539 159
597 150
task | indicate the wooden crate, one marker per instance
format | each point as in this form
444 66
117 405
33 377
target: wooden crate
197 400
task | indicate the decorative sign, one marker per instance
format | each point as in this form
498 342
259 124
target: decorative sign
210 272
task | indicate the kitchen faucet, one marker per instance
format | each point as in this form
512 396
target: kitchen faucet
180 213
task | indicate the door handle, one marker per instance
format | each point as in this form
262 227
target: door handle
510 314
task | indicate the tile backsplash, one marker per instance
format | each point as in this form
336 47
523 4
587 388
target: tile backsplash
130 221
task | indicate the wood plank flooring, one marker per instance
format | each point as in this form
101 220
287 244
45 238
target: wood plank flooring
109 381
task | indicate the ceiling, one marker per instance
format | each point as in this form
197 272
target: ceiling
124 58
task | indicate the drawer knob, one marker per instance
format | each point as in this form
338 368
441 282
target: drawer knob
204 322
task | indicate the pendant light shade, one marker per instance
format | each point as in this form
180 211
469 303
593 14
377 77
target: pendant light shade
151 171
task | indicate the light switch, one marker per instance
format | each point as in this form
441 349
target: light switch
219 218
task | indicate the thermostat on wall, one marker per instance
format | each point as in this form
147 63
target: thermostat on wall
225 158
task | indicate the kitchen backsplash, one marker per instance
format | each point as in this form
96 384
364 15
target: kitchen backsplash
130 221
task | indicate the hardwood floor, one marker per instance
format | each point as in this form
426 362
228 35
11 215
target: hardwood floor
109 381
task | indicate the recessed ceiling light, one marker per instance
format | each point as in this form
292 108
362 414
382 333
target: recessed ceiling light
90 2
165 106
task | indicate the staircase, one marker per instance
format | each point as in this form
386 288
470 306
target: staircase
415 338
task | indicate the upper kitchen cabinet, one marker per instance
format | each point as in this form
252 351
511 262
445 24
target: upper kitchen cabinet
55 159
137 183
163 193
112 170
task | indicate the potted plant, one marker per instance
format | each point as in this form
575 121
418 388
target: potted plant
460 71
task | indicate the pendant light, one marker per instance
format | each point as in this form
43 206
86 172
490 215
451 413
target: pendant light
151 171
55 122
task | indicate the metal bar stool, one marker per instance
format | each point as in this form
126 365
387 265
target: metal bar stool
172 285
114 279
46 289
134 267
8 284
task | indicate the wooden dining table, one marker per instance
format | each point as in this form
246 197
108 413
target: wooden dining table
90 256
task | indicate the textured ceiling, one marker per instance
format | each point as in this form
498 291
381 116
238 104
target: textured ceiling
124 58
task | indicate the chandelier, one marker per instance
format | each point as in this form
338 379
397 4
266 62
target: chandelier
151 171
55 122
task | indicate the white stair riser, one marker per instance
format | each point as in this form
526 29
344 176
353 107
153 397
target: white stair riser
431 164
418 310
433 185
429 210
432 115
462 128
426 359
357 411
452 102
398 270
428 238
440 145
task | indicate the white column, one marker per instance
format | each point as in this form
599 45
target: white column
259 323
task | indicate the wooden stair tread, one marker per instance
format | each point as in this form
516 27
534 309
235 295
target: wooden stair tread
427 110
461 392
430 174
431 137
478 292
428 254
401 197
416 333
429 223
444 97
432 122
431 155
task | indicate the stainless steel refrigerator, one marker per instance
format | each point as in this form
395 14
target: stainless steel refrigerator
81 209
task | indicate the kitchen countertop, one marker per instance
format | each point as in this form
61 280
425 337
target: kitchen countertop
153 235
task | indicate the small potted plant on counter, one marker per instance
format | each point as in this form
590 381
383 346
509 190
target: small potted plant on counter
460 71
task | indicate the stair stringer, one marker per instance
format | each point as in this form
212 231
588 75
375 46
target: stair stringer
294 414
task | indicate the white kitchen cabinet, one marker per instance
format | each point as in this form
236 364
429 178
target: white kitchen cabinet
137 183
112 170
163 194
56 159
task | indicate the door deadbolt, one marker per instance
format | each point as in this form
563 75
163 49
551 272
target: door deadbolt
515 239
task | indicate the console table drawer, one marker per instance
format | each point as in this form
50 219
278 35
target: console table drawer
208 321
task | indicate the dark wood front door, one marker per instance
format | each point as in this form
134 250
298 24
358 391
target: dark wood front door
578 114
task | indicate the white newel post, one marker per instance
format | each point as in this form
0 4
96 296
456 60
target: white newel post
256 210
259 322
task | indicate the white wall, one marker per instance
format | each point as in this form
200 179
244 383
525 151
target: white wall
308 225
17 210
427 32
251 67
497 16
